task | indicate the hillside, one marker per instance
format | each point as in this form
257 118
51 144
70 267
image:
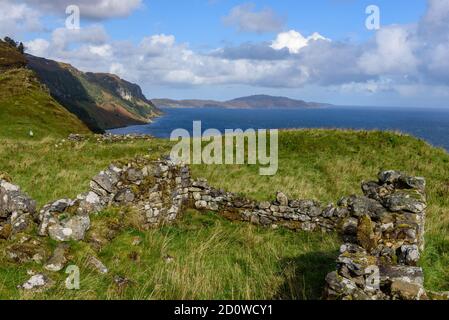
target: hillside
102 101
250 102
10 57
26 105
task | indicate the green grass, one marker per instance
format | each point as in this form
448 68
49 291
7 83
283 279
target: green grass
328 164
214 258
26 106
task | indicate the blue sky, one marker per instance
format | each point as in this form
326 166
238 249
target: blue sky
199 22
220 49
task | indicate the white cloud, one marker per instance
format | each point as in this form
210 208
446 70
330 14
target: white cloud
37 47
394 53
62 38
103 51
294 41
246 19
17 18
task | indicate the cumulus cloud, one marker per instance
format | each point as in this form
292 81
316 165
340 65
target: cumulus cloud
91 9
37 47
295 41
394 52
246 19
18 18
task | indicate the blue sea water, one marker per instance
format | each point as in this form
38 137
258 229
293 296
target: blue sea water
429 124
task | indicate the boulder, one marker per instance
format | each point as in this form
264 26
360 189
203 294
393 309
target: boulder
58 259
410 201
16 210
282 199
72 229
360 206
97 265
37 283
409 255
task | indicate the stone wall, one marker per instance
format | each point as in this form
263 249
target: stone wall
384 235
383 230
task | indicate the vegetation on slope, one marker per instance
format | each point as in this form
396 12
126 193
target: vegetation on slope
214 258
10 56
27 111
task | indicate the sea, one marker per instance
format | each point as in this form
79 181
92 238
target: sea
430 124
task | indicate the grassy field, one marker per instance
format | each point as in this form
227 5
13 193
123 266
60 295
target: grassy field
214 258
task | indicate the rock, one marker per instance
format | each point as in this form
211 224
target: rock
282 199
391 273
338 287
201 205
136 241
106 180
264 205
309 208
124 196
409 255
360 206
349 226
405 201
58 260
169 259
37 283
375 191
16 209
73 229
402 181
89 203
48 214
97 265
134 175
389 177
404 290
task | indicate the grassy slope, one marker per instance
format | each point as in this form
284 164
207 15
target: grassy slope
25 105
215 258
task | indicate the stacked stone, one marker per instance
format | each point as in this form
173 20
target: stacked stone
299 215
166 197
156 189
306 215
108 137
384 235
16 210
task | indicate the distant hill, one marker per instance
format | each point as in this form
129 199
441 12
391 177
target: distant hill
250 102
26 107
102 101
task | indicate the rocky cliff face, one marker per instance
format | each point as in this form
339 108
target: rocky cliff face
102 101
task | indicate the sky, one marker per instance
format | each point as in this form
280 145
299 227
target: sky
321 50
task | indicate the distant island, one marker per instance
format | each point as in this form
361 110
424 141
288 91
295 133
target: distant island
250 102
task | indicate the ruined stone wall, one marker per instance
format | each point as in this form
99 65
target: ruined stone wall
383 230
